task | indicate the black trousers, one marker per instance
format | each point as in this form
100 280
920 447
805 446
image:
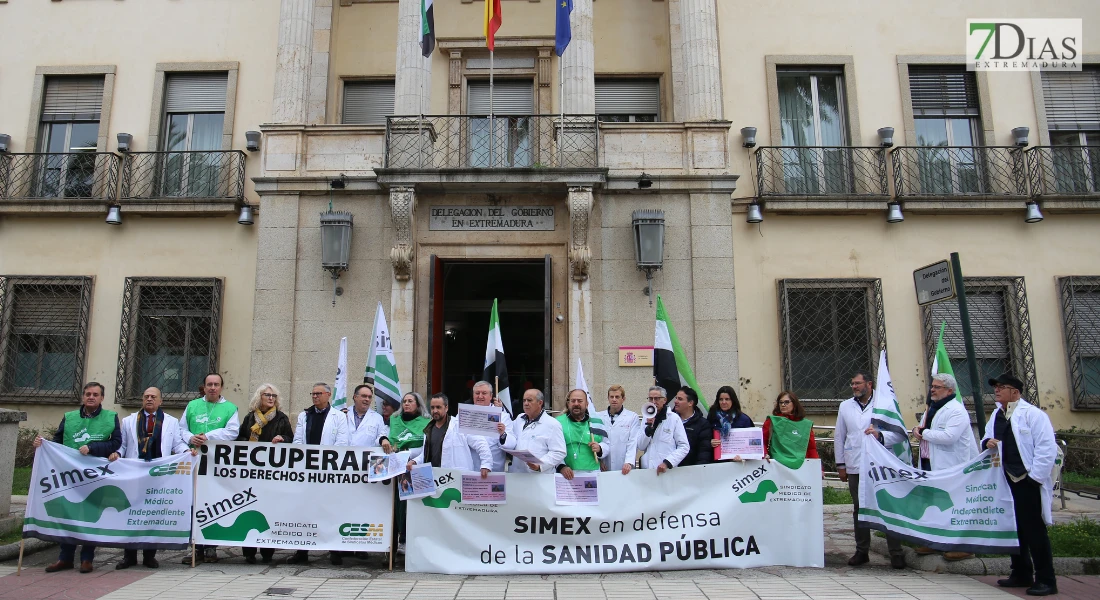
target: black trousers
146 554
1035 559
863 533
251 551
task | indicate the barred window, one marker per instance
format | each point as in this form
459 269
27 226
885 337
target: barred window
829 328
169 337
43 337
1081 320
1001 330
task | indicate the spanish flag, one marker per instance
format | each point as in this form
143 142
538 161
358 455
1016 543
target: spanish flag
492 23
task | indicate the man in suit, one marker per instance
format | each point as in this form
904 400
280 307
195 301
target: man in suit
148 434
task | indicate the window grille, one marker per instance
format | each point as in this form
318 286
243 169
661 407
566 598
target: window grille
829 328
1081 322
1001 330
43 337
169 337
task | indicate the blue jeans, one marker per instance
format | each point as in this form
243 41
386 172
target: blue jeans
68 551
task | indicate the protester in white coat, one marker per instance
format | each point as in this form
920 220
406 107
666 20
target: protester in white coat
320 425
948 437
536 432
445 447
366 428
664 439
1025 439
165 432
623 430
483 396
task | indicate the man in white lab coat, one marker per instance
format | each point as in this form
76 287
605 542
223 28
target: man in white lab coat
445 447
537 432
623 430
663 440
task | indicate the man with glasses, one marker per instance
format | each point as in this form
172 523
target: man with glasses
853 423
1024 437
664 439
945 437
320 425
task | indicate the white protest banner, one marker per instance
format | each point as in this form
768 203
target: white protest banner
966 508
582 489
129 503
261 494
724 515
746 442
479 420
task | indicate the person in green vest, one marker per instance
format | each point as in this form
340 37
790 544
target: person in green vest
584 437
407 432
788 434
207 419
92 431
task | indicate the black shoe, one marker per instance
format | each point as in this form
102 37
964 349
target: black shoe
250 559
187 560
1012 582
300 557
151 563
857 559
210 555
898 562
125 564
265 559
336 560
1041 589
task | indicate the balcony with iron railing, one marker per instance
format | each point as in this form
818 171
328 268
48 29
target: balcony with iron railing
950 174
816 172
498 142
82 177
183 177
1058 173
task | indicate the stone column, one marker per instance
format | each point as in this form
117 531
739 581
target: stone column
403 287
9 436
317 104
699 52
295 52
412 83
677 53
579 63
580 202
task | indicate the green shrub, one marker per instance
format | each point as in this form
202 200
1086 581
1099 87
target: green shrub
24 445
1079 537
21 481
832 495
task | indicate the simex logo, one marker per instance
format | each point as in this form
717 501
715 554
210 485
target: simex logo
176 468
361 530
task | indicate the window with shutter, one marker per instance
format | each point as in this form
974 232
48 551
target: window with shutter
368 102
510 97
194 106
506 142
73 99
943 90
946 118
628 100
1081 323
43 331
1072 99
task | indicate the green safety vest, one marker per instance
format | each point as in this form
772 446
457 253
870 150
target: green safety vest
578 455
79 430
202 416
789 440
407 434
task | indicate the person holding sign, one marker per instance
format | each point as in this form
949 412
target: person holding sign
725 414
92 431
664 441
407 432
536 432
623 428
445 447
584 437
483 396
211 417
788 434
265 422
1024 437
148 434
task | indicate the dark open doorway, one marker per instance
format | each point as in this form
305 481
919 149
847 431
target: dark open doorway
461 302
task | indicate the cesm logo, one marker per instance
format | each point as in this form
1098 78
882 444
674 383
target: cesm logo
361 530
1023 44
176 468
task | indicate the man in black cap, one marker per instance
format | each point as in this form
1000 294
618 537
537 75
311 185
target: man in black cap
1027 452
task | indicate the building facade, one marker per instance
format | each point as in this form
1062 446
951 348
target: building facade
527 191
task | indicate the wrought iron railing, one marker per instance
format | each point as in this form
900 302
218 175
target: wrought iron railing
1064 170
203 175
91 175
953 171
821 171
500 142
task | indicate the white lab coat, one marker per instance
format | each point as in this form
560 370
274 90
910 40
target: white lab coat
669 442
495 450
459 449
622 436
1035 439
171 440
543 438
370 430
950 437
851 422
335 432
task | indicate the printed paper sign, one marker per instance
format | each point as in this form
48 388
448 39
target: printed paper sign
479 420
582 489
745 442
488 490
416 483
387 466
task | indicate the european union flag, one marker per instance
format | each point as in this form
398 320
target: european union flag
563 34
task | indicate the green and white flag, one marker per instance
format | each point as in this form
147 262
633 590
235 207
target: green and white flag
671 369
381 371
496 370
340 388
595 424
965 508
886 414
941 362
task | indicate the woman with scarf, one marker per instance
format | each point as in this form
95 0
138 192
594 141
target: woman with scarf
725 414
407 432
788 434
264 423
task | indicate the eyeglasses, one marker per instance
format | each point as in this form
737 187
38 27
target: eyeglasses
785 402
939 387
1002 386
270 395
315 394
